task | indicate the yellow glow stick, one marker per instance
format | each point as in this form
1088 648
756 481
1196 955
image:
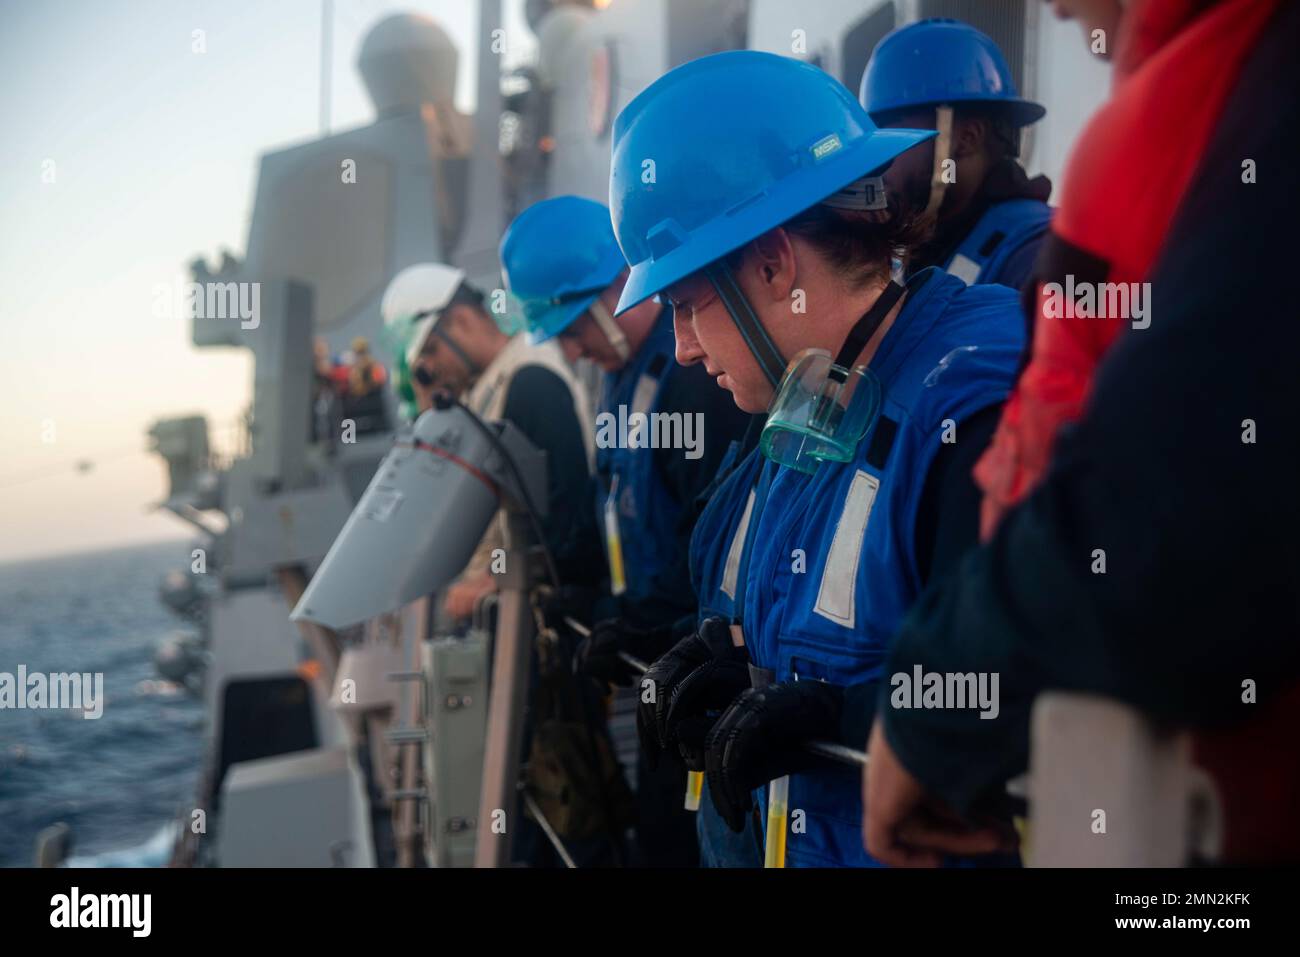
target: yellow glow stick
778 798
694 788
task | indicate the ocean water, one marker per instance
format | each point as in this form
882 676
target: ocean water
120 779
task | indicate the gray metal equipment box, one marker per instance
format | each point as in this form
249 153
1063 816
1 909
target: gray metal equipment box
456 675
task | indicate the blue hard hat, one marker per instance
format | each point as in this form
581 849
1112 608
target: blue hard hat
722 149
933 62
557 257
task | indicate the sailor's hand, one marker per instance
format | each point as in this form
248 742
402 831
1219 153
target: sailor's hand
463 596
903 826
711 640
598 654
698 700
760 738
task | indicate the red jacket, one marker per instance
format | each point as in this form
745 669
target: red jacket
1175 64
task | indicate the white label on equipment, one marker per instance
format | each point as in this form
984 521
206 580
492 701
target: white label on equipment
381 503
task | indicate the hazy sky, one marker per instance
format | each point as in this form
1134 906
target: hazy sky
152 150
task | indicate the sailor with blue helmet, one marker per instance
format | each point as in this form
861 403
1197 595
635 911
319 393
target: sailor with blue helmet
988 217
745 188
564 271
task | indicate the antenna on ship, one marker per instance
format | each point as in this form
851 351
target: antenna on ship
326 62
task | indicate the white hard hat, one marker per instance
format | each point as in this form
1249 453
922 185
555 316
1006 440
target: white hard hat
422 288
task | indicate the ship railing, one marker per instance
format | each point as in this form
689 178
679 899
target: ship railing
229 442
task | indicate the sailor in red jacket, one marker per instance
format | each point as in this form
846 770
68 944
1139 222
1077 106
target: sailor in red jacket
1174 68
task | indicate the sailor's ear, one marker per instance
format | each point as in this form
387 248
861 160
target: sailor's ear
770 262
969 134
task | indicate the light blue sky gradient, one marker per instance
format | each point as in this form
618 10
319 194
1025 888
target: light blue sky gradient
154 150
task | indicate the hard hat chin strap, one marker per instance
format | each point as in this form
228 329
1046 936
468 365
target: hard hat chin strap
611 330
942 153
470 365
760 344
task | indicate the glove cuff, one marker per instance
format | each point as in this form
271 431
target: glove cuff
715 633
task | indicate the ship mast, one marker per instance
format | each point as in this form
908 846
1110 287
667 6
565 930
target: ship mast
326 62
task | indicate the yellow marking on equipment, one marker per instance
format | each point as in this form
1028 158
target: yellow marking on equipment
694 788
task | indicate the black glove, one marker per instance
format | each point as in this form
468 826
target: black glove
699 698
712 640
598 655
759 738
